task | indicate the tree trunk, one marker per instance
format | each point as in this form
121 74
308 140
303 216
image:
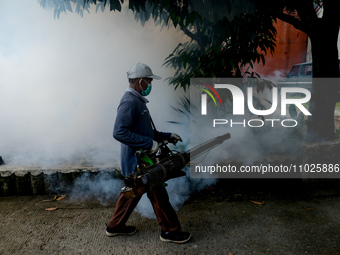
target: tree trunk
320 125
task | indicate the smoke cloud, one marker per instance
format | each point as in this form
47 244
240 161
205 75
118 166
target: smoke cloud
61 81
101 187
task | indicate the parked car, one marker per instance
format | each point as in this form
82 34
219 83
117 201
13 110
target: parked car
299 76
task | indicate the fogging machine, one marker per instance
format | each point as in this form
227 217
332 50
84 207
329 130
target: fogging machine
154 170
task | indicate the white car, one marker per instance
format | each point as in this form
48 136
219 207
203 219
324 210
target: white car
299 76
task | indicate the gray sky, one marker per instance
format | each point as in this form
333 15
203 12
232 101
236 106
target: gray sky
61 80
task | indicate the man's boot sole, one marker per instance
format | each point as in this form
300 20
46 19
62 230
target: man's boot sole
173 241
116 234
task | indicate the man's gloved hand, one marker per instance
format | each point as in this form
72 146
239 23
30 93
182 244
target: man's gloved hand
154 148
175 138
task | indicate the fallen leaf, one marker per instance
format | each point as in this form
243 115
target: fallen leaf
51 209
60 198
309 208
55 198
229 253
258 203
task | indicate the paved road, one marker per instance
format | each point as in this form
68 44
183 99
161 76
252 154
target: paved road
299 218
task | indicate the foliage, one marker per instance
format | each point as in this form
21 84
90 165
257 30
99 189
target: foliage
66 6
337 133
228 47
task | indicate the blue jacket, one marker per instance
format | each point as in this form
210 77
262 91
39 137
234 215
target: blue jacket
133 129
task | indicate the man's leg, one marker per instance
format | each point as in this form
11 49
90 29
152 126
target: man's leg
124 208
166 215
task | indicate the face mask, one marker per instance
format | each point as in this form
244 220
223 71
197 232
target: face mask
147 91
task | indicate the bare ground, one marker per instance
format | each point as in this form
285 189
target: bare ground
236 216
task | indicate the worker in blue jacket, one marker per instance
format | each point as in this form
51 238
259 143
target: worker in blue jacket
133 128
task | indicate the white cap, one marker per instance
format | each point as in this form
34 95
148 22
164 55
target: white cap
141 70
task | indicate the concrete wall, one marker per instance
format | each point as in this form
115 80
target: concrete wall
34 181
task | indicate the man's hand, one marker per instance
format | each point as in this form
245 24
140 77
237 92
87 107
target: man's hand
175 138
154 148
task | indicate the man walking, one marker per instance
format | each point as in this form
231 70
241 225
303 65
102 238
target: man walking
134 130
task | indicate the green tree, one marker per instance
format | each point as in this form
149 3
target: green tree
222 47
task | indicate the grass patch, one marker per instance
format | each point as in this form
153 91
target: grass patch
337 106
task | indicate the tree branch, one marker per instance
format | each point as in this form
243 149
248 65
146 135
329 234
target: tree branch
307 14
186 31
293 21
195 37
